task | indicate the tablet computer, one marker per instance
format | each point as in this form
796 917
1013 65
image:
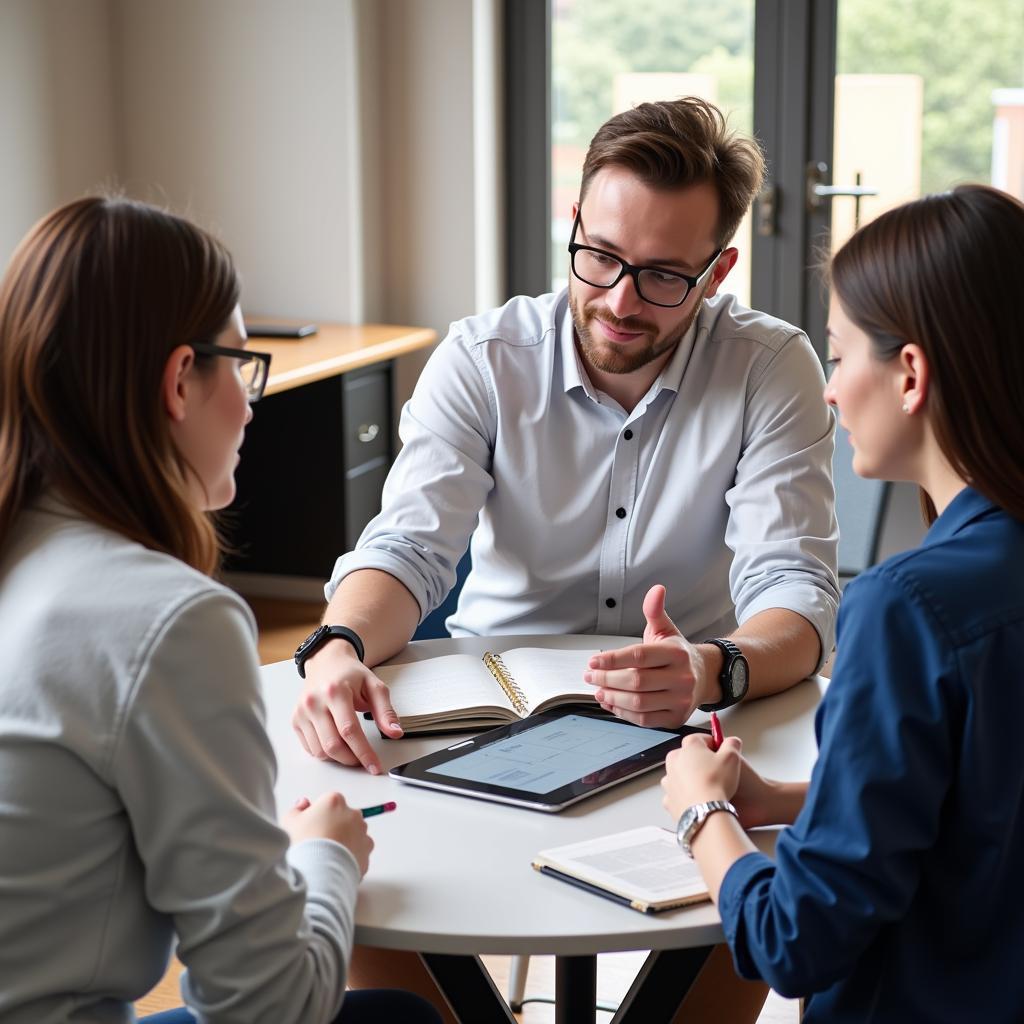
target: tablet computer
545 762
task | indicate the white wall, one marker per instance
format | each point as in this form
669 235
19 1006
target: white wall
424 80
56 108
330 143
240 114
416 73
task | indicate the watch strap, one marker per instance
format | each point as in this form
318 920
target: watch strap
730 652
313 643
692 821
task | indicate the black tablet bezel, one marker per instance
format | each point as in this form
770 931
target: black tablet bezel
417 772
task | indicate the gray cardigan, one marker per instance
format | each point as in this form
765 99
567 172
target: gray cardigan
136 796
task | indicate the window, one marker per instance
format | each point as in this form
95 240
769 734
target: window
609 55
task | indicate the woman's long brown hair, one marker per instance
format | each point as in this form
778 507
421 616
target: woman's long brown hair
95 299
944 272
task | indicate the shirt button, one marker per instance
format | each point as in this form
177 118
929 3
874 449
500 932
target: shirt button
621 513
628 435
610 602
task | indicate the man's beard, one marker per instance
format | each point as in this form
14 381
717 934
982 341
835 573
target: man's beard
609 357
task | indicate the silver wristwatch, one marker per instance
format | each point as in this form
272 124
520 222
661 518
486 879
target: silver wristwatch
693 818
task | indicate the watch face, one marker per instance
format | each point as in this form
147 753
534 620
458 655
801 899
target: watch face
739 678
309 639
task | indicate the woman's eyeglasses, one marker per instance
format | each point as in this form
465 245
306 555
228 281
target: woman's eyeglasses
253 367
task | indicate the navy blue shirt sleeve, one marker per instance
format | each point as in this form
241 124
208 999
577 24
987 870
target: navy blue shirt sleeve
853 859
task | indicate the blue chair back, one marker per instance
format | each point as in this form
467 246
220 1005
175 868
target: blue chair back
432 627
860 508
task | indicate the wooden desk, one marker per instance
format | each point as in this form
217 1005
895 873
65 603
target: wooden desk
450 877
318 449
334 349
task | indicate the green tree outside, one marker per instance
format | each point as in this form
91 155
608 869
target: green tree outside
962 49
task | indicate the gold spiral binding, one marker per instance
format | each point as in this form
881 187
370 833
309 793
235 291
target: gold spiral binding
497 669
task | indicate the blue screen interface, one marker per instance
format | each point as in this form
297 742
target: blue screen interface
553 754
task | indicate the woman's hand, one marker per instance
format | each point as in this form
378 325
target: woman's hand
695 773
329 817
760 801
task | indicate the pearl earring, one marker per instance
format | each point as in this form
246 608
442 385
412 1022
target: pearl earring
906 408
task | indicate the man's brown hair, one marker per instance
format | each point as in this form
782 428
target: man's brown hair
95 299
676 143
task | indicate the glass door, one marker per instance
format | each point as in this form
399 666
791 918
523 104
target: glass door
927 95
859 104
610 55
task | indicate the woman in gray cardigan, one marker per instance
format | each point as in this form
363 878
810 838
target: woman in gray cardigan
136 799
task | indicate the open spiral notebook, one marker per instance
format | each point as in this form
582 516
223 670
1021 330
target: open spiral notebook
463 691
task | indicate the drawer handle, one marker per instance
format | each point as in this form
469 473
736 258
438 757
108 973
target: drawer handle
367 432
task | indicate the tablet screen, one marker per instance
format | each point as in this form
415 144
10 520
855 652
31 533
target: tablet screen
545 762
554 754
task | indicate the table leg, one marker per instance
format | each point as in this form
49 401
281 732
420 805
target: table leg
653 998
660 987
468 988
575 989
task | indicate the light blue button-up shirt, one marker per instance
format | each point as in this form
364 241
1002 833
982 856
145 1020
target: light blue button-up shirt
717 484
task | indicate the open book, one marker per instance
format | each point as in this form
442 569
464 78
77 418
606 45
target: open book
463 691
642 868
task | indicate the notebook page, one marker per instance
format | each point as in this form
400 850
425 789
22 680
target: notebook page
448 683
541 673
643 864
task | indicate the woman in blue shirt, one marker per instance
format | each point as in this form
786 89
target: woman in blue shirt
896 893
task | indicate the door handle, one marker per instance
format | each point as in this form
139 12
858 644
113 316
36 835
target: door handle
818 192
764 210
367 432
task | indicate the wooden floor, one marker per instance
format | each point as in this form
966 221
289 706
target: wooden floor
282 626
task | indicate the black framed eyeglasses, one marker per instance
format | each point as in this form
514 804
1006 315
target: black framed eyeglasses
253 367
659 287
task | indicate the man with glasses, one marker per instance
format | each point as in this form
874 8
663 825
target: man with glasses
639 429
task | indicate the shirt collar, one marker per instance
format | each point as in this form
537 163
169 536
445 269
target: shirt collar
967 506
574 375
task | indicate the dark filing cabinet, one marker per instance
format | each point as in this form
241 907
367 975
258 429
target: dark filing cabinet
313 467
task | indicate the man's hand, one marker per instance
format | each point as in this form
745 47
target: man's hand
658 682
326 718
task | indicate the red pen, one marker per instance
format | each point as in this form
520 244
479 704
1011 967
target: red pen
717 735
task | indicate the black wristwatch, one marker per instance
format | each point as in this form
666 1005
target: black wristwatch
734 677
320 635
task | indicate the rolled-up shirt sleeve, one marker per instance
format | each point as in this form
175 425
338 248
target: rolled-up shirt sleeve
438 483
852 862
782 527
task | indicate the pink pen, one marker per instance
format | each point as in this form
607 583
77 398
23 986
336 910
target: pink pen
369 812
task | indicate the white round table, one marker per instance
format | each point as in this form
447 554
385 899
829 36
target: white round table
450 877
